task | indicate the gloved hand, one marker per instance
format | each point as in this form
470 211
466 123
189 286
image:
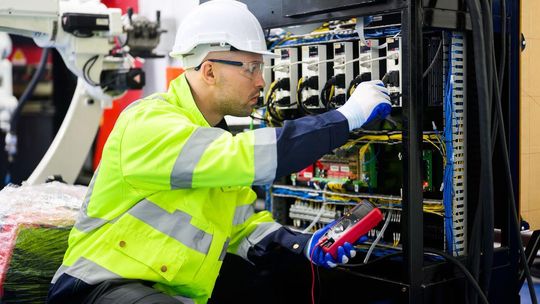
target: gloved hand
317 256
369 100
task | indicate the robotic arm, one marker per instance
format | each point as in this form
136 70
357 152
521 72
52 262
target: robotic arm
88 36
8 102
85 33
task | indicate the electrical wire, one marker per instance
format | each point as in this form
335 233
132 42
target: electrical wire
271 113
397 138
287 65
346 199
321 211
364 61
313 272
271 90
448 176
493 87
11 135
502 64
379 235
29 91
253 117
509 183
432 64
477 244
86 70
449 258
301 86
273 117
327 92
356 81
465 271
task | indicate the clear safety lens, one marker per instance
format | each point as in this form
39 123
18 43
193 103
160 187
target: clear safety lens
249 69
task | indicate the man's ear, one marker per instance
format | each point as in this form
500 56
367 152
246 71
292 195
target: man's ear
208 73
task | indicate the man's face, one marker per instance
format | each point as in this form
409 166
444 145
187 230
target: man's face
238 86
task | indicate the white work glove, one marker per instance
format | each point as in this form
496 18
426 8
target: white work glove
369 100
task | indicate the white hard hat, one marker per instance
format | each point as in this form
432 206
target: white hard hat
218 25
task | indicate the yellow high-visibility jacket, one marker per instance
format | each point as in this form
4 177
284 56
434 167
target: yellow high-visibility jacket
172 195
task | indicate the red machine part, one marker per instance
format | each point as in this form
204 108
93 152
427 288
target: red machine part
306 174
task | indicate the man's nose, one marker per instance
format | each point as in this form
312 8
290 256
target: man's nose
259 80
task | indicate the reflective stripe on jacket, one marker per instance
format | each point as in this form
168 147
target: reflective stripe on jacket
162 204
172 194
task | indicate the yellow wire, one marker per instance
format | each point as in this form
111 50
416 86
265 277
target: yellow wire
443 146
351 89
364 149
270 89
269 108
432 143
437 209
298 93
324 27
427 138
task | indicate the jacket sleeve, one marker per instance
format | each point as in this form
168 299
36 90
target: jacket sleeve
161 149
255 234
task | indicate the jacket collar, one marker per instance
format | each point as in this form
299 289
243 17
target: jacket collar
179 89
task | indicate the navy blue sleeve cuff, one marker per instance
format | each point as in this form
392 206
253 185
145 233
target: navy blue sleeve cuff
303 141
294 242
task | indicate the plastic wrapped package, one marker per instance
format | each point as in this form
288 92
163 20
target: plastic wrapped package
34 226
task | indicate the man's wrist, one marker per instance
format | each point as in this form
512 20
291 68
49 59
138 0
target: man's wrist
307 248
354 118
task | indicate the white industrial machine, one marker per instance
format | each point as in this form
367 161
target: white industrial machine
8 102
88 36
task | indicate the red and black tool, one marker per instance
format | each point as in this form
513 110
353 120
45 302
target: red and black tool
351 226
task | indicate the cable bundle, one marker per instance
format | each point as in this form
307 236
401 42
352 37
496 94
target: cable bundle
448 189
489 86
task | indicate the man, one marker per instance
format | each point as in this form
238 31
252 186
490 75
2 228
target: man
172 193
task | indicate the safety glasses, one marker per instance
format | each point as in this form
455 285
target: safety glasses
250 69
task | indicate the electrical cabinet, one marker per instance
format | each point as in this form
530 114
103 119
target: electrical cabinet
332 60
427 166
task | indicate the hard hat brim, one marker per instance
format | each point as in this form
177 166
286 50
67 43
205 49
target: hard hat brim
264 53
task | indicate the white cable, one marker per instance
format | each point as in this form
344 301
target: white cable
276 65
322 61
319 214
284 66
314 62
379 236
280 67
382 46
361 62
303 61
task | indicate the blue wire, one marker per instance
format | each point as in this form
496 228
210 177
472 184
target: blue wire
448 187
